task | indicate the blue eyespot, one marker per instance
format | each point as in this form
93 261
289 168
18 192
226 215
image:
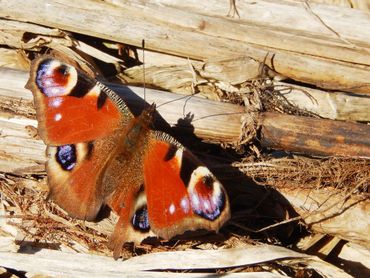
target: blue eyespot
66 156
140 219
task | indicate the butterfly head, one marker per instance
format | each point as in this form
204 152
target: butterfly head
148 114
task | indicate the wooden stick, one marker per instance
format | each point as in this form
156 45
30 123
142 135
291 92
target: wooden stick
327 104
354 4
48 262
315 136
329 212
315 47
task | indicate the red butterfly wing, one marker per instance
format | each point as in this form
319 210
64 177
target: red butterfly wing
74 177
80 120
72 107
182 194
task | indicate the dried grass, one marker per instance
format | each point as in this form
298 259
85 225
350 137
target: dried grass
301 172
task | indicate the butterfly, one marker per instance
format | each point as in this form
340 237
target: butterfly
99 153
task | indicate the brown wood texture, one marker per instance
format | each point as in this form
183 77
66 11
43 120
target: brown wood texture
230 73
334 105
315 136
317 47
328 211
355 4
184 264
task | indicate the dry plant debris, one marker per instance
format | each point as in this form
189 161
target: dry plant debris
302 172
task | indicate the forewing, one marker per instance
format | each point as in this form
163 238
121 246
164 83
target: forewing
71 106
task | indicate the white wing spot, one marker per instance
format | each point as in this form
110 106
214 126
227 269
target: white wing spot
206 205
185 204
58 117
195 201
56 102
172 209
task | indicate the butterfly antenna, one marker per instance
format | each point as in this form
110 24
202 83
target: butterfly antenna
144 81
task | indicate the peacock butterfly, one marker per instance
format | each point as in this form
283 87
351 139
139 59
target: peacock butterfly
100 154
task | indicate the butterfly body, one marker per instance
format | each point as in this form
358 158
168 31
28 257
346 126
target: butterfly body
100 154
